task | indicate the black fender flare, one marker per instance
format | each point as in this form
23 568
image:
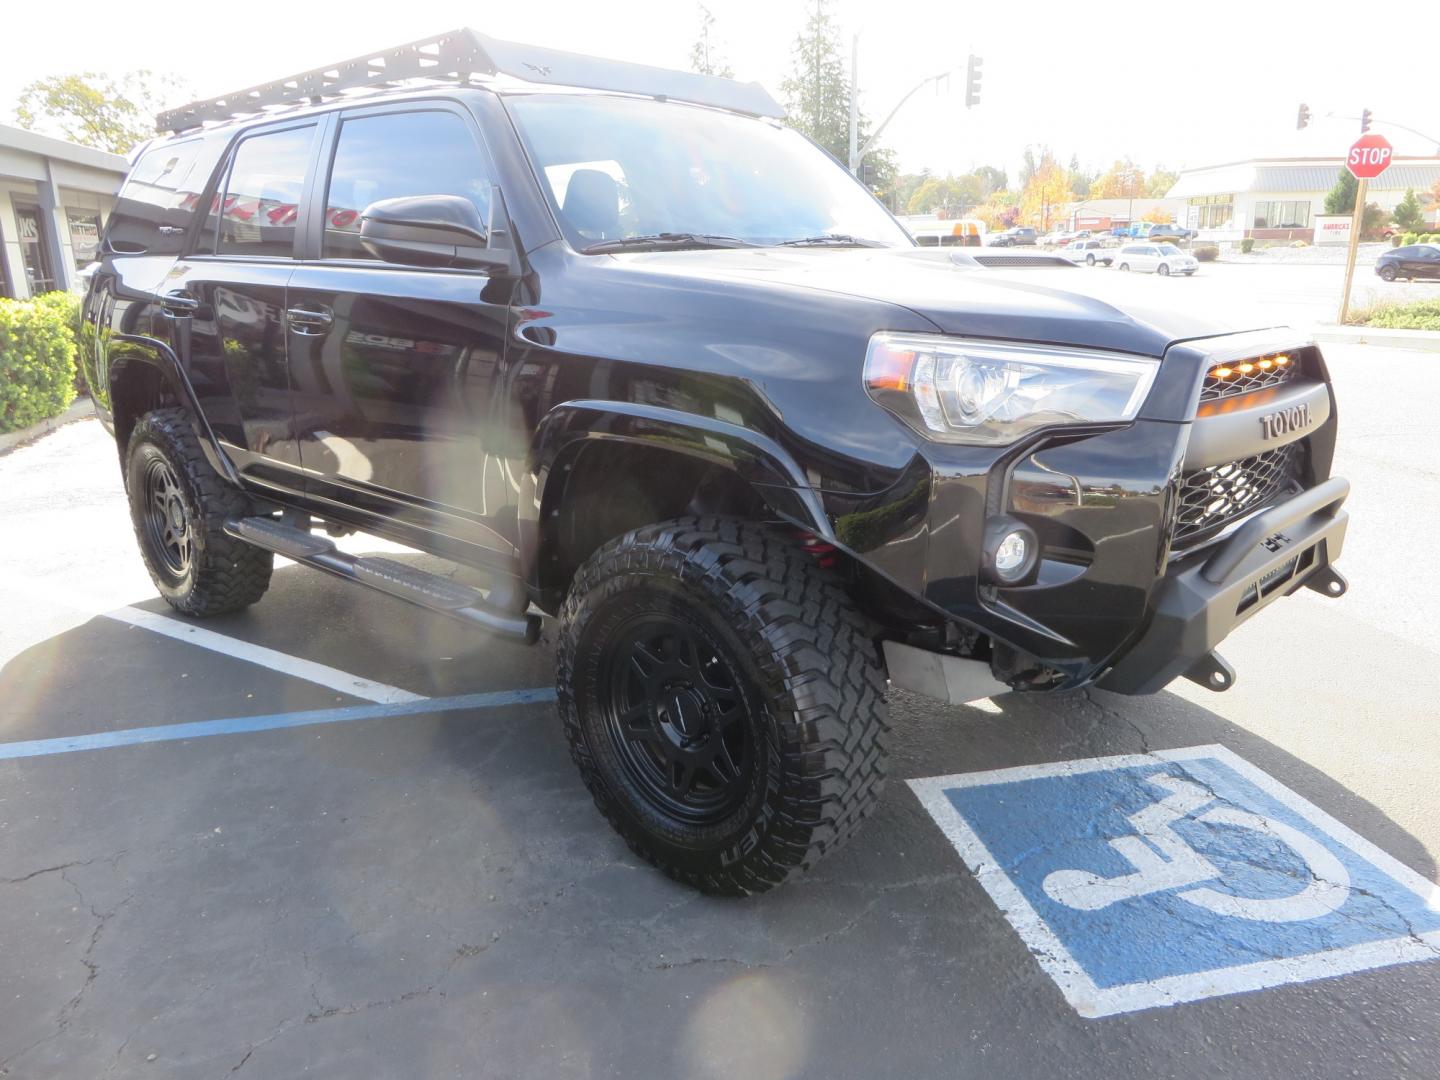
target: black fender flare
132 352
571 426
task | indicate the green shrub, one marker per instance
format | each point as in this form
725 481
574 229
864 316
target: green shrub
1418 315
37 359
1409 238
1247 245
1396 240
1205 252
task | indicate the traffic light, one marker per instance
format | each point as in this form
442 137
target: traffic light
972 81
867 174
1302 121
1364 121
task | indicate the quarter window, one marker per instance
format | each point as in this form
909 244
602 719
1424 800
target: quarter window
394 155
257 209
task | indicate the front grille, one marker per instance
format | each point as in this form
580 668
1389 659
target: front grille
1212 497
1239 381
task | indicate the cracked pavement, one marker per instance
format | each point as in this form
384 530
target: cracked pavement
435 895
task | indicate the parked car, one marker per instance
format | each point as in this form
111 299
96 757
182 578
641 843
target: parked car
1021 236
1090 252
1175 233
1162 259
1412 262
443 314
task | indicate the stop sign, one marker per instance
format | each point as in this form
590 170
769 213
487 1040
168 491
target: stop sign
1369 156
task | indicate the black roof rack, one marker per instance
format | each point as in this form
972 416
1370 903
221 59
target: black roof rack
463 53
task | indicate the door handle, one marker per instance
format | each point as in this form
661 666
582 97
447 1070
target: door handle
180 304
309 320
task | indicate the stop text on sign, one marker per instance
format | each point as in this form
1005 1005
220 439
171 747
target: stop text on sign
1369 156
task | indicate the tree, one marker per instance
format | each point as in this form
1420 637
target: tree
991 180
1372 221
96 110
1341 199
1407 212
1080 179
1123 180
817 96
705 56
1160 183
1047 190
1432 200
953 196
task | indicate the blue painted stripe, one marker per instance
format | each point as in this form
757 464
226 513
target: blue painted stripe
201 728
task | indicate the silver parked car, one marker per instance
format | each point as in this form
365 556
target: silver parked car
1089 252
1163 259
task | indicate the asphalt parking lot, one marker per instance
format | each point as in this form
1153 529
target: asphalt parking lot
337 837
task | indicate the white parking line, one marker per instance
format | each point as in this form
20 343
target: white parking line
321 674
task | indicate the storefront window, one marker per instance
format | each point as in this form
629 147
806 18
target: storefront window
38 274
1213 211
1283 214
84 237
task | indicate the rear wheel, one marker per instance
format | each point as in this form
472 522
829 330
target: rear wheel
179 504
723 700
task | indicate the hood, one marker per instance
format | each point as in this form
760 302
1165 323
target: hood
965 292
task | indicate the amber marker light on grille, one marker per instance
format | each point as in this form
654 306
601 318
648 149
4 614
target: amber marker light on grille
1223 372
1246 369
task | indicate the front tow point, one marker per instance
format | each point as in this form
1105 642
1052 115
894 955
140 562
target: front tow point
1328 581
1212 672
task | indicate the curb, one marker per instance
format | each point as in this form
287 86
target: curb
81 409
1423 340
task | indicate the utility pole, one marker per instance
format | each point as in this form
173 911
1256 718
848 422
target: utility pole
854 104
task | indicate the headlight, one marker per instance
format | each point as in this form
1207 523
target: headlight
961 391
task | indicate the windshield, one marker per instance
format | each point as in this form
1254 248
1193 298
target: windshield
1169 249
627 167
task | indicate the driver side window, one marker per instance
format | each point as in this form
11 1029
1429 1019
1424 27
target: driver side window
393 155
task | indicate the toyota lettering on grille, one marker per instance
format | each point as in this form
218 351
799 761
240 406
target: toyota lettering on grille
1285 421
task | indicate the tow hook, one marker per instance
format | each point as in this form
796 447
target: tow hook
1328 581
1212 672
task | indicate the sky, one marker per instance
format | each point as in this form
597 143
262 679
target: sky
1175 83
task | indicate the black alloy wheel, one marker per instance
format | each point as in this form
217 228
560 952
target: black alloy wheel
676 716
1387 273
723 699
166 525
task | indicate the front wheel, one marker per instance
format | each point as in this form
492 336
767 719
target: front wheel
1387 273
1089 260
1124 266
1163 270
723 700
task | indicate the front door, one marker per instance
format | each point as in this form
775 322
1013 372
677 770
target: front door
233 344
394 368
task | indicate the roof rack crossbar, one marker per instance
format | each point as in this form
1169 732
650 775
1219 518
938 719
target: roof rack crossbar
461 54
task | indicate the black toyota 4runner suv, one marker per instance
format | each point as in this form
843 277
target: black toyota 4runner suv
661 369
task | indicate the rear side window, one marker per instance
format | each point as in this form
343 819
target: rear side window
160 196
257 208
394 155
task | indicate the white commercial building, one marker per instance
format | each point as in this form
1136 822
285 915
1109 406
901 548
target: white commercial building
55 197
1279 198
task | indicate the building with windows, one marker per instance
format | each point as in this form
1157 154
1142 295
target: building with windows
55 197
1279 198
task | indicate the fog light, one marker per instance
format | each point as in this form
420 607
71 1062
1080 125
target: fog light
1012 554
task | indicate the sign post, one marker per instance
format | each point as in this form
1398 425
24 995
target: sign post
1369 157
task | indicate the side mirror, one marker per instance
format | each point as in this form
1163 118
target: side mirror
439 230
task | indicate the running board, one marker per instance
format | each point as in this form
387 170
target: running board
431 591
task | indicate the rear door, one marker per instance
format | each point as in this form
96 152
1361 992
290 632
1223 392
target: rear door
396 370
234 341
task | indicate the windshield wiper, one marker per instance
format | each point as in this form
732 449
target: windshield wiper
832 240
666 241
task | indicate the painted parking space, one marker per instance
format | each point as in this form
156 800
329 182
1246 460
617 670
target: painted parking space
1142 881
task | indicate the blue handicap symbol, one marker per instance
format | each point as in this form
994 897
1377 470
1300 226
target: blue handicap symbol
1152 879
